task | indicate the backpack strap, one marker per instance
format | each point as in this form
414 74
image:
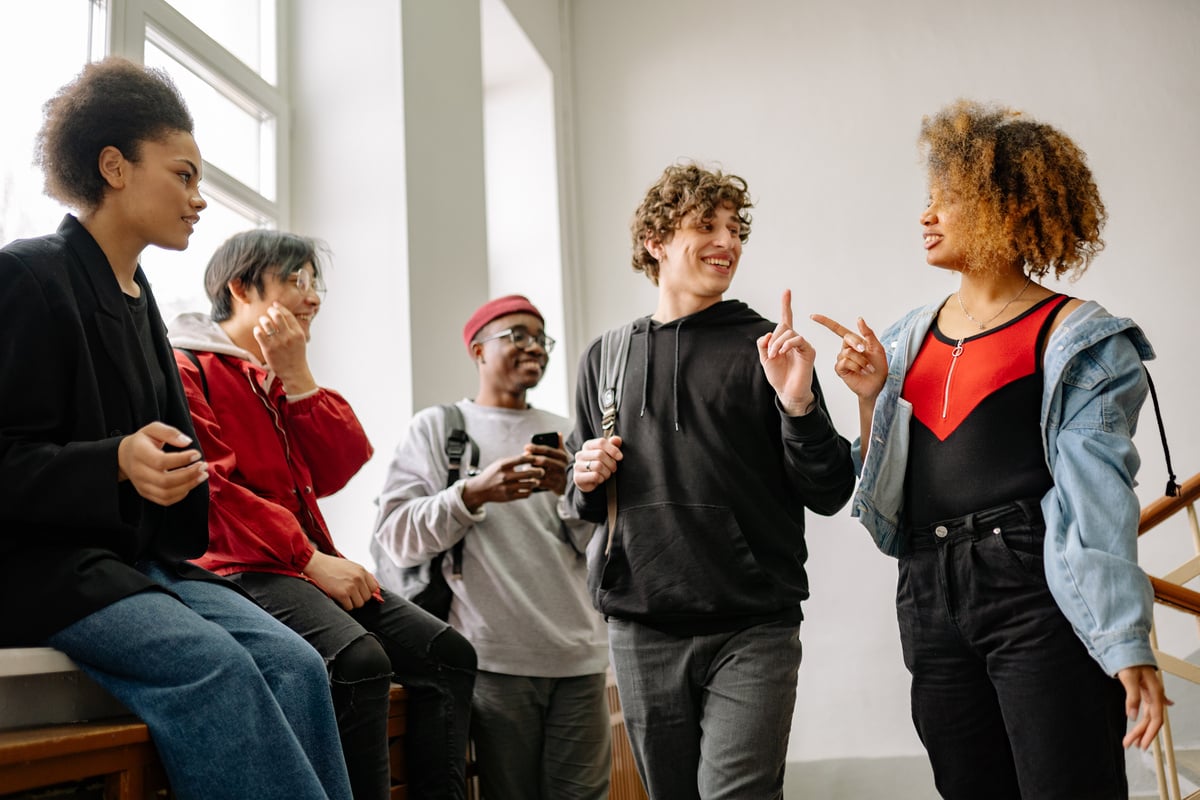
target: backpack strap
191 356
1172 486
457 440
614 351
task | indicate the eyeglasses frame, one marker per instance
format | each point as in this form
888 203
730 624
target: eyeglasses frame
547 343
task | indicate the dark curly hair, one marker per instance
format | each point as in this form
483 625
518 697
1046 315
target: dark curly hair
112 102
681 190
252 255
1032 197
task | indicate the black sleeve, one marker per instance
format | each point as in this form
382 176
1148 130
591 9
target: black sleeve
817 458
591 506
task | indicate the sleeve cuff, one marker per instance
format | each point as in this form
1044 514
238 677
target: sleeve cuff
304 558
295 398
813 424
461 512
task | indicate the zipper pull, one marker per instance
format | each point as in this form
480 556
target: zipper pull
954 354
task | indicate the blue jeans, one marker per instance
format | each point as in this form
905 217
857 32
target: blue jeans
364 648
542 738
1005 697
708 716
237 704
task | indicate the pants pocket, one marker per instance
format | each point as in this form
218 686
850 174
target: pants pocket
1021 546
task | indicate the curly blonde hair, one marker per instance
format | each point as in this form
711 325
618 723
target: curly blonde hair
684 189
1031 194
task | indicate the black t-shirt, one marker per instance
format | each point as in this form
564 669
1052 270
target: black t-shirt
139 309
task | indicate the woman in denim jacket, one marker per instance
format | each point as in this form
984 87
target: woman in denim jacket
997 464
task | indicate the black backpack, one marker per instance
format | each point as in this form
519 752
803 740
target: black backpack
434 594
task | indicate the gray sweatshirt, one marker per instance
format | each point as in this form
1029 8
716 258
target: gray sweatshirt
522 600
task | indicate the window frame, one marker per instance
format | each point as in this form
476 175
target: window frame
131 22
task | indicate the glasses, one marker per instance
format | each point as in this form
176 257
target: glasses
305 283
523 339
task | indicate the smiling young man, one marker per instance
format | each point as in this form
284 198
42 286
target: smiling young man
275 442
539 716
723 441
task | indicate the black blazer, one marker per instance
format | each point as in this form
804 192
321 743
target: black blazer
73 382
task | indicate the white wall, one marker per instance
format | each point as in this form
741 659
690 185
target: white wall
348 187
521 169
817 106
387 148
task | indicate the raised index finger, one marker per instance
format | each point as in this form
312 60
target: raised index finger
832 325
786 315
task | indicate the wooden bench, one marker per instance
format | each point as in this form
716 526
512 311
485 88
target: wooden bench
119 754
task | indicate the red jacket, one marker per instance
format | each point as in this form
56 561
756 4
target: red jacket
268 461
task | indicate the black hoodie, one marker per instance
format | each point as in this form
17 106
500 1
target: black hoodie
714 480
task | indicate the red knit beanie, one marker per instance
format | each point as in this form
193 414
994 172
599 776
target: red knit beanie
492 309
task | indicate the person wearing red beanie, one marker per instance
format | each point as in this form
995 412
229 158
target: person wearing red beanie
494 309
539 716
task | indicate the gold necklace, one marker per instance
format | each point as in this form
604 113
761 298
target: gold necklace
989 320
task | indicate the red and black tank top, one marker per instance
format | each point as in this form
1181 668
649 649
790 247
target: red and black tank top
975 438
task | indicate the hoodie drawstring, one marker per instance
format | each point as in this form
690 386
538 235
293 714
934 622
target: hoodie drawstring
645 371
675 378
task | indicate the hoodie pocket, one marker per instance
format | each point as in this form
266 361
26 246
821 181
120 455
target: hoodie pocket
674 559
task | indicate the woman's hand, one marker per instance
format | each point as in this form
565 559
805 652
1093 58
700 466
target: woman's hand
1145 702
160 477
596 462
862 362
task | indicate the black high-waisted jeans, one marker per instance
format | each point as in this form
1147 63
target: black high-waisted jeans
1005 697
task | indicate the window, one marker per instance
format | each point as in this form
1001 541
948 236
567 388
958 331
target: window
78 27
223 56
246 28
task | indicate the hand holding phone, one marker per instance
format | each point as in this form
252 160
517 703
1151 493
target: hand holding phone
550 439
556 471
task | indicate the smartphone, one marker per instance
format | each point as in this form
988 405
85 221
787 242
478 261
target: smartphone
546 439
549 439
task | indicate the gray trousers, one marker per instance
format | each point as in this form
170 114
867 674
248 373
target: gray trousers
708 716
541 738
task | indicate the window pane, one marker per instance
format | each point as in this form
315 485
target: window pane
237 140
33 75
245 28
178 277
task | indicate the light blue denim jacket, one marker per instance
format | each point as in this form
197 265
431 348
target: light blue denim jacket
1094 388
